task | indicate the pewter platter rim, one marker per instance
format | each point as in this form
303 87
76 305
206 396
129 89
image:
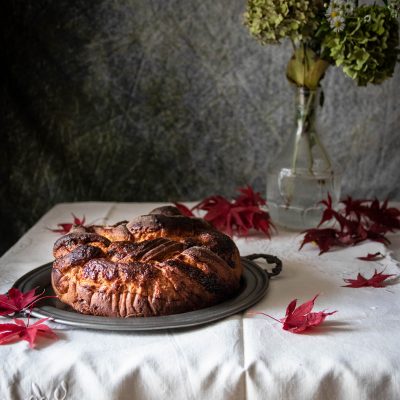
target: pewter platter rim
255 282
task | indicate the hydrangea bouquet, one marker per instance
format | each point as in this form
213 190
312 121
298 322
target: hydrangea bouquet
361 39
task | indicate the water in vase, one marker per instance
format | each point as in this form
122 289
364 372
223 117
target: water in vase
294 198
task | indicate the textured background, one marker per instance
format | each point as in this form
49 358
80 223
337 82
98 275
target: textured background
163 100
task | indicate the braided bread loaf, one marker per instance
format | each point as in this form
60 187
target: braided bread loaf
158 264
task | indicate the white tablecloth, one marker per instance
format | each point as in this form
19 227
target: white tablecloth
355 354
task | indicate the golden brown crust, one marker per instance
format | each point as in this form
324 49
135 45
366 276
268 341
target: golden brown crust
158 264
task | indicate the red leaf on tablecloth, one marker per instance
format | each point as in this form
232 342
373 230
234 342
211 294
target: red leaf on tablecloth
301 318
262 222
357 221
16 301
18 330
248 197
187 212
237 216
65 227
323 238
298 319
377 280
329 212
372 257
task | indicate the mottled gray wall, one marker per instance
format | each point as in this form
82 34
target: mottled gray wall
163 100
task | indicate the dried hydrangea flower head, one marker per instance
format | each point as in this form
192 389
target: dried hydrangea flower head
269 21
394 8
362 40
367 46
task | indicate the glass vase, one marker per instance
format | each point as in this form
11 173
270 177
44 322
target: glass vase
302 175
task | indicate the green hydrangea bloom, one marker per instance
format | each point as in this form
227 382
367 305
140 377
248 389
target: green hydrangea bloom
394 7
269 21
367 47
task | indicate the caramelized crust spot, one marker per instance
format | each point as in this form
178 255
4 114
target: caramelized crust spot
68 242
78 256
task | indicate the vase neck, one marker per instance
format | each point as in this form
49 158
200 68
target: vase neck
309 153
306 108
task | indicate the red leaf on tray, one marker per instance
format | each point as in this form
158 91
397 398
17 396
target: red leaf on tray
237 216
298 319
377 280
372 257
65 227
18 330
16 301
356 221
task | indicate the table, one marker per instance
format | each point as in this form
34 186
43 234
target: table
355 354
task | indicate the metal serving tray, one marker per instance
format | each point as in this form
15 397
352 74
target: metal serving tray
254 285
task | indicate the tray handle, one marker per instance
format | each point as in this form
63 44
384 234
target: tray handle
270 260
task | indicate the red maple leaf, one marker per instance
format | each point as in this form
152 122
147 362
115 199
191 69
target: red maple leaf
237 216
329 212
187 212
16 301
323 238
357 221
248 197
382 219
376 280
372 257
65 227
261 222
298 319
18 330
